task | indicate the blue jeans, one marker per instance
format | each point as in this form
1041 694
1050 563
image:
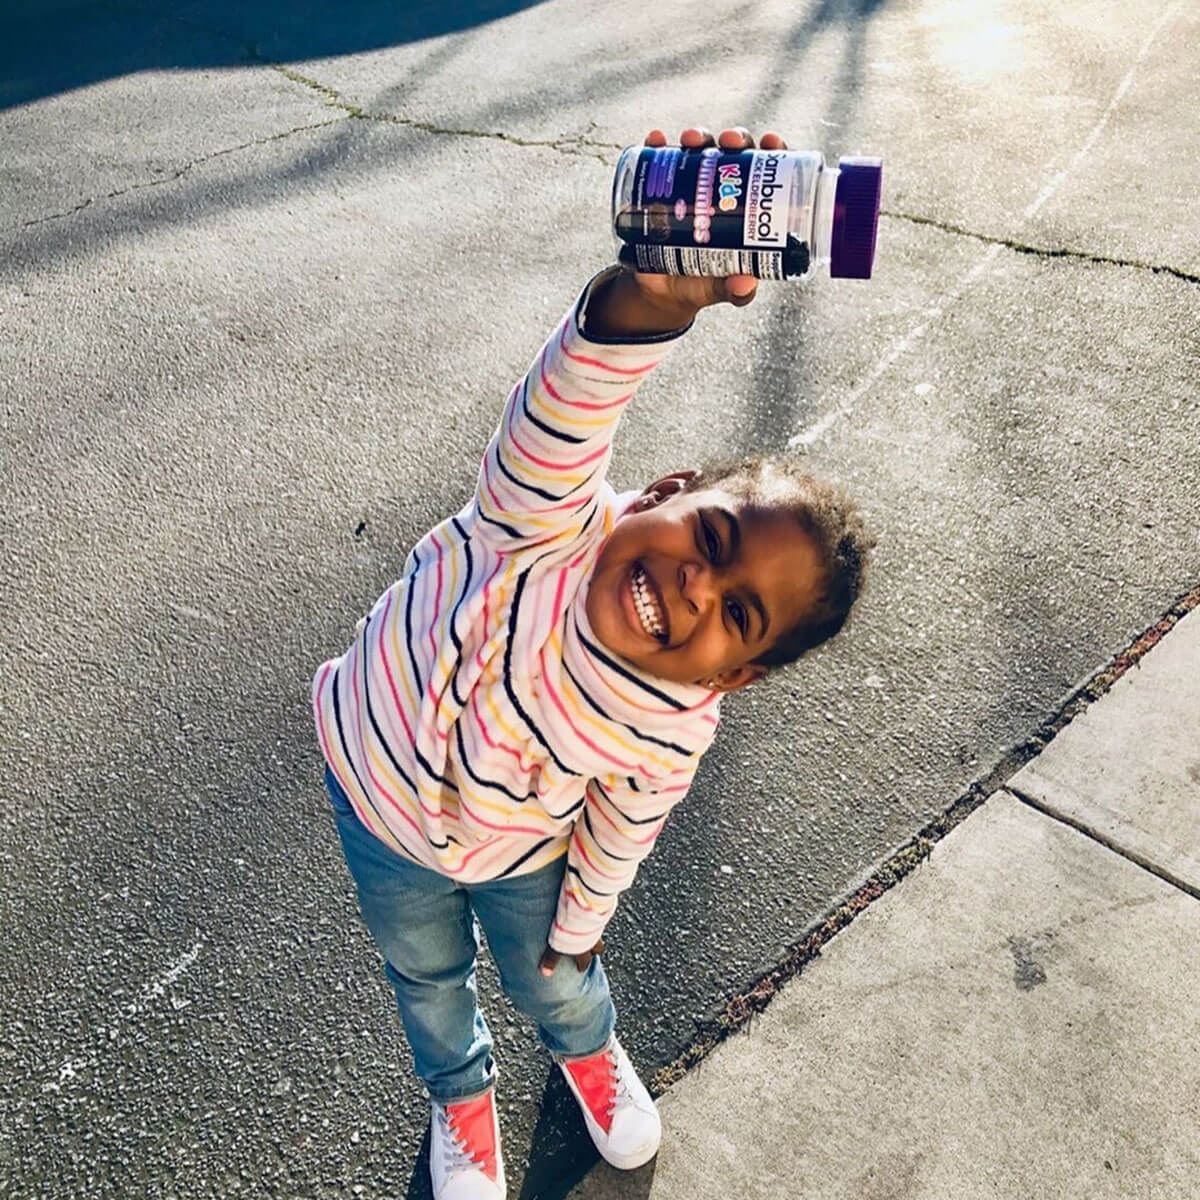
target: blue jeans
425 926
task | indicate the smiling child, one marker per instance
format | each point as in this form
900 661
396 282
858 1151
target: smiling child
521 710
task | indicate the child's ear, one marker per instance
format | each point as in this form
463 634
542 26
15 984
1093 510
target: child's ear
737 678
663 489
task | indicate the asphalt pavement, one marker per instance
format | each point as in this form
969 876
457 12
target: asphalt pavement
266 275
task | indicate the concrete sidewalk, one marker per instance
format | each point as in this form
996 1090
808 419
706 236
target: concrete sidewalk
1017 1018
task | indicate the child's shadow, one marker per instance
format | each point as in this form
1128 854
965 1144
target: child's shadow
560 1153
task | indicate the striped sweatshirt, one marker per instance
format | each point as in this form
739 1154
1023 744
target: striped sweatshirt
476 724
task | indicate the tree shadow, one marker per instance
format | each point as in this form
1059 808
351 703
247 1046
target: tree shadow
58 45
779 367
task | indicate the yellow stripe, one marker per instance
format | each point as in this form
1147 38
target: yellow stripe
401 664
639 750
549 409
383 831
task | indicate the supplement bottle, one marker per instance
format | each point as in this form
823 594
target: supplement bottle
774 214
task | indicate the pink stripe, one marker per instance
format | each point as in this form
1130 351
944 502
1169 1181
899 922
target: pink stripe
646 841
366 762
437 608
595 362
548 508
558 595
557 466
587 859
554 395
507 828
487 592
397 807
482 727
624 766
322 733
387 670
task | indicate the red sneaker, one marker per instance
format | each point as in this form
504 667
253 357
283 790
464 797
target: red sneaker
617 1109
464 1150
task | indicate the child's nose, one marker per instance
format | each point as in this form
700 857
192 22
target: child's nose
696 585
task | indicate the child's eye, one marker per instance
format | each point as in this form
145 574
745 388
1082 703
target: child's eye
711 541
739 615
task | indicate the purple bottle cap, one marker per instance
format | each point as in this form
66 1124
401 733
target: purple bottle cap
855 217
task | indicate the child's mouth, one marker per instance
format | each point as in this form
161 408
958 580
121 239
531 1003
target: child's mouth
644 607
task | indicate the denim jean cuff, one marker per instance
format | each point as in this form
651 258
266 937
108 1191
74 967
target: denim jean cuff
562 1058
462 1099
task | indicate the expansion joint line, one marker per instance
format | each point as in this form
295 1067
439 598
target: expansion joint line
1040 251
579 145
1089 831
177 173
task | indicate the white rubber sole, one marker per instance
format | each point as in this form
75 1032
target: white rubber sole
629 1161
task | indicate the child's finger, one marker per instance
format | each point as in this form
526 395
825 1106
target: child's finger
656 137
736 139
696 137
548 962
772 141
739 290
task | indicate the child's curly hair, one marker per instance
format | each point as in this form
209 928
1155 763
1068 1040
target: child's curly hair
827 514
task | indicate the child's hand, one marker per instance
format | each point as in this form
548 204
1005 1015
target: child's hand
582 961
688 291
636 304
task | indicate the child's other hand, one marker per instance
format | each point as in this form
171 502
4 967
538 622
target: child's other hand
582 961
689 292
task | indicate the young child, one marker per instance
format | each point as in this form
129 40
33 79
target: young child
518 714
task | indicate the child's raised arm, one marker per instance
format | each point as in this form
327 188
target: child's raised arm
545 463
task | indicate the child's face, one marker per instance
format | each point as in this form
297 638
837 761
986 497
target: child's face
724 579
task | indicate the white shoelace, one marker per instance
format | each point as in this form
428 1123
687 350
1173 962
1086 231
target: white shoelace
457 1157
621 1090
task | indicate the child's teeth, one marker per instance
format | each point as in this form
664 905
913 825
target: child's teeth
645 606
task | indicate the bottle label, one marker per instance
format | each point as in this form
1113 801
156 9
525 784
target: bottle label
712 212
688 260
768 200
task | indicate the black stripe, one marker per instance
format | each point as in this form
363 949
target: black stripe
337 716
408 635
614 665
645 737
487 783
528 487
422 761
588 887
466 583
537 491
555 433
513 533
462 595
508 687
568 811
524 857
624 815
520 536
412 787
604 849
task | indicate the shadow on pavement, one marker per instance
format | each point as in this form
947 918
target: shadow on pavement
58 45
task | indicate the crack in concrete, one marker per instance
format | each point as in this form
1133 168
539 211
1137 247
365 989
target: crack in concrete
172 176
579 145
1040 251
